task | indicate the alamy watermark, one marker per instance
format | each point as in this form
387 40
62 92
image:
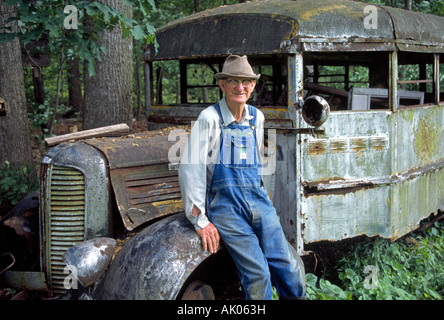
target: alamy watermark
371 20
72 20
371 281
71 280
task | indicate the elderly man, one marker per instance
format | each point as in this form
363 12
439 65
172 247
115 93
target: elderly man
223 193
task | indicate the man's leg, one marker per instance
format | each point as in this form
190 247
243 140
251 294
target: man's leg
285 269
232 222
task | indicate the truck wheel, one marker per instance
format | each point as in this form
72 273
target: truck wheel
198 291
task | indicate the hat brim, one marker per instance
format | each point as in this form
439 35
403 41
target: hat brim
222 75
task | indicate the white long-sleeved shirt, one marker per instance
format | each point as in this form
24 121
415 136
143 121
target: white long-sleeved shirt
201 153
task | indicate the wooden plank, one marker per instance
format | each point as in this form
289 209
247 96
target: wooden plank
108 131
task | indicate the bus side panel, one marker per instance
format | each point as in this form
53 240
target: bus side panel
374 173
286 187
345 177
419 165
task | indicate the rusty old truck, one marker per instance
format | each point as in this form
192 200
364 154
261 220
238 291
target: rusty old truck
352 96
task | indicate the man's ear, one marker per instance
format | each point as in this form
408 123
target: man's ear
222 84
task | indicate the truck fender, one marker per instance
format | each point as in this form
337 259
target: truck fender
154 264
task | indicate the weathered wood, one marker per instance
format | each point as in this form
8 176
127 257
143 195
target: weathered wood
108 131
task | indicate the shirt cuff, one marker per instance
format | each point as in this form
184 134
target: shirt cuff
201 221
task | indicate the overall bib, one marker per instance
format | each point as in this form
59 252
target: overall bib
239 207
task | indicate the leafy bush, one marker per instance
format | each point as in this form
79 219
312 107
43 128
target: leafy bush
409 269
15 184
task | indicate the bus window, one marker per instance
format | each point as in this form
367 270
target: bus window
441 77
271 87
188 82
200 86
166 83
415 79
334 76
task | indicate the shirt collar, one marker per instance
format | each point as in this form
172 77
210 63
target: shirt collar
227 116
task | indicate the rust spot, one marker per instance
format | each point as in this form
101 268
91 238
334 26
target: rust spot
338 145
358 144
317 147
310 15
378 143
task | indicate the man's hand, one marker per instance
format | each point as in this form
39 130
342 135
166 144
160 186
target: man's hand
209 234
210 238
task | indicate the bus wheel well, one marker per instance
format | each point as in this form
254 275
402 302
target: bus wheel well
217 273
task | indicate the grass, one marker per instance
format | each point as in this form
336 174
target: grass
411 268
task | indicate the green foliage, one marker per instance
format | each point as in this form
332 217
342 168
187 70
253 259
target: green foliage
46 19
39 116
15 184
424 6
408 269
325 291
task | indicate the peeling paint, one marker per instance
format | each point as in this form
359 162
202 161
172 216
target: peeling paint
310 15
426 140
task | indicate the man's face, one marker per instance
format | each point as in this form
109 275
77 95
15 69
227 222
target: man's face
237 90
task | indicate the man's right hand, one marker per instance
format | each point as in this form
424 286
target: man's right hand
210 238
208 234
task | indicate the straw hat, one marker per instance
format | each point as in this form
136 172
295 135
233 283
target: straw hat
238 67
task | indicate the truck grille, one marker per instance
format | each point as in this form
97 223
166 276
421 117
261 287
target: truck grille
66 219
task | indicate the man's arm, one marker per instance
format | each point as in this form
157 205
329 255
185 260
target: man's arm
193 180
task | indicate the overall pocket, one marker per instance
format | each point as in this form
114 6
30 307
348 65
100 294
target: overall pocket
238 149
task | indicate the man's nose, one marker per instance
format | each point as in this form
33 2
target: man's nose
239 86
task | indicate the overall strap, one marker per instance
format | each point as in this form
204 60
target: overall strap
219 112
253 112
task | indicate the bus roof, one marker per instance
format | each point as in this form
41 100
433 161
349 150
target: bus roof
289 26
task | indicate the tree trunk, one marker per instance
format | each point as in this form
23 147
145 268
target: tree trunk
108 95
137 78
408 5
15 139
74 87
37 80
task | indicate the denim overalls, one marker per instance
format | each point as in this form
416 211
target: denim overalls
247 222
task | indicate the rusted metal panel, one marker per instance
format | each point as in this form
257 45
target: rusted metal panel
350 213
415 31
145 193
144 186
217 36
154 264
387 165
349 167
356 150
285 187
74 204
420 157
294 26
420 136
